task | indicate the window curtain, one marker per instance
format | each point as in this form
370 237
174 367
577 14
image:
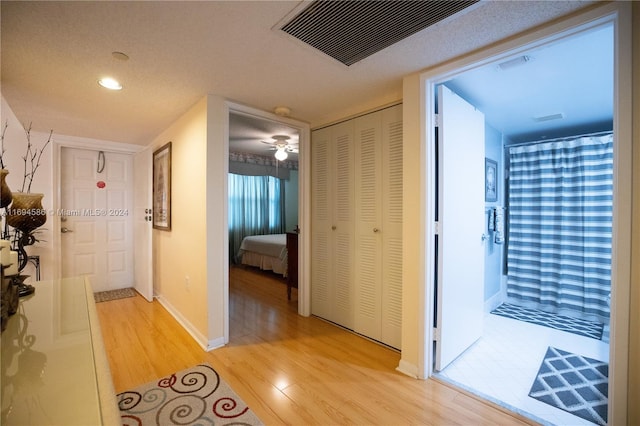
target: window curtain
560 225
256 207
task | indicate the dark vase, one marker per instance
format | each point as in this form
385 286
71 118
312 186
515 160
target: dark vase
26 212
5 192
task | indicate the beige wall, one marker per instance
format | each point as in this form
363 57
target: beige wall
194 247
216 217
634 310
413 228
181 252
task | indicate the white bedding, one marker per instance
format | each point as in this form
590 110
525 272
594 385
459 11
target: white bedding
267 252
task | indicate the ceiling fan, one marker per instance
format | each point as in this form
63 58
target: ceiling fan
282 146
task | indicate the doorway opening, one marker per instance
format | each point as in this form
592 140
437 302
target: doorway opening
266 209
486 367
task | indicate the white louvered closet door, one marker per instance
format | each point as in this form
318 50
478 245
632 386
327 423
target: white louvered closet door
320 223
332 223
343 224
392 226
378 282
368 281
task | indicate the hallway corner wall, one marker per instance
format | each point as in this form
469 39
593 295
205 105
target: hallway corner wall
494 253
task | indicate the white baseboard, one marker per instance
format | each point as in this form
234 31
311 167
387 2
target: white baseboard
493 302
497 299
206 345
215 344
407 368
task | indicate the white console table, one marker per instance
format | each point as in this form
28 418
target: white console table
54 365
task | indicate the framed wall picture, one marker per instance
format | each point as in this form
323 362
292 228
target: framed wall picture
490 180
162 188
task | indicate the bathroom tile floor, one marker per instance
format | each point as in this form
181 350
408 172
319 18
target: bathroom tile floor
503 363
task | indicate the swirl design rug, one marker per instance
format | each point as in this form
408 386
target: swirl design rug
194 396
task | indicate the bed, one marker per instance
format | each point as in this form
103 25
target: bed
267 252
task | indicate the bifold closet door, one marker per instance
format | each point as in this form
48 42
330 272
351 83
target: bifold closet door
332 222
368 180
392 203
378 255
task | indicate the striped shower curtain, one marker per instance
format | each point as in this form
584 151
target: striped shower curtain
560 211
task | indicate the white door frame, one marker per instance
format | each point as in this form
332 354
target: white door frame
81 143
143 229
619 14
304 206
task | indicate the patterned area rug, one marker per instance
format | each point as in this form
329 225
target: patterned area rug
559 322
105 296
194 396
573 383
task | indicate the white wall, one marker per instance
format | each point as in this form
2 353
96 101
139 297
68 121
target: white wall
15 145
494 253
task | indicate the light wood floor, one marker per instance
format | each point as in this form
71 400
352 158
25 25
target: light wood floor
289 369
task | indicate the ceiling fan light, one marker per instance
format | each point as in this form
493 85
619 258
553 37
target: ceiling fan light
281 154
110 83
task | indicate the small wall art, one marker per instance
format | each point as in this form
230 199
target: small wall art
162 188
490 180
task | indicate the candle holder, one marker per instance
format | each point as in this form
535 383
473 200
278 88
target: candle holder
10 297
22 289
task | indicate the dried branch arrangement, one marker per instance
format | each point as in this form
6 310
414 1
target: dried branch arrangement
31 157
32 160
4 129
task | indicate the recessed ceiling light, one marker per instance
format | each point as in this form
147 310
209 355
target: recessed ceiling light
110 83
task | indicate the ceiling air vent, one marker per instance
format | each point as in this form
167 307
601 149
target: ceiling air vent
350 31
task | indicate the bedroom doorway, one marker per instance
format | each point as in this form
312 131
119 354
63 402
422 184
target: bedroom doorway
620 124
255 137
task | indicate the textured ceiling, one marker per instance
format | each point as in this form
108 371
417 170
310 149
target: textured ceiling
53 53
571 79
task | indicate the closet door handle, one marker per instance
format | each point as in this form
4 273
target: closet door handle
334 227
376 230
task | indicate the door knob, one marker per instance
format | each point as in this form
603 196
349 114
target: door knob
64 230
376 230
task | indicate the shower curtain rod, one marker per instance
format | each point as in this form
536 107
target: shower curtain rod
585 135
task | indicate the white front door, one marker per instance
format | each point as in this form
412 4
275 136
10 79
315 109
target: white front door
460 286
96 217
143 272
